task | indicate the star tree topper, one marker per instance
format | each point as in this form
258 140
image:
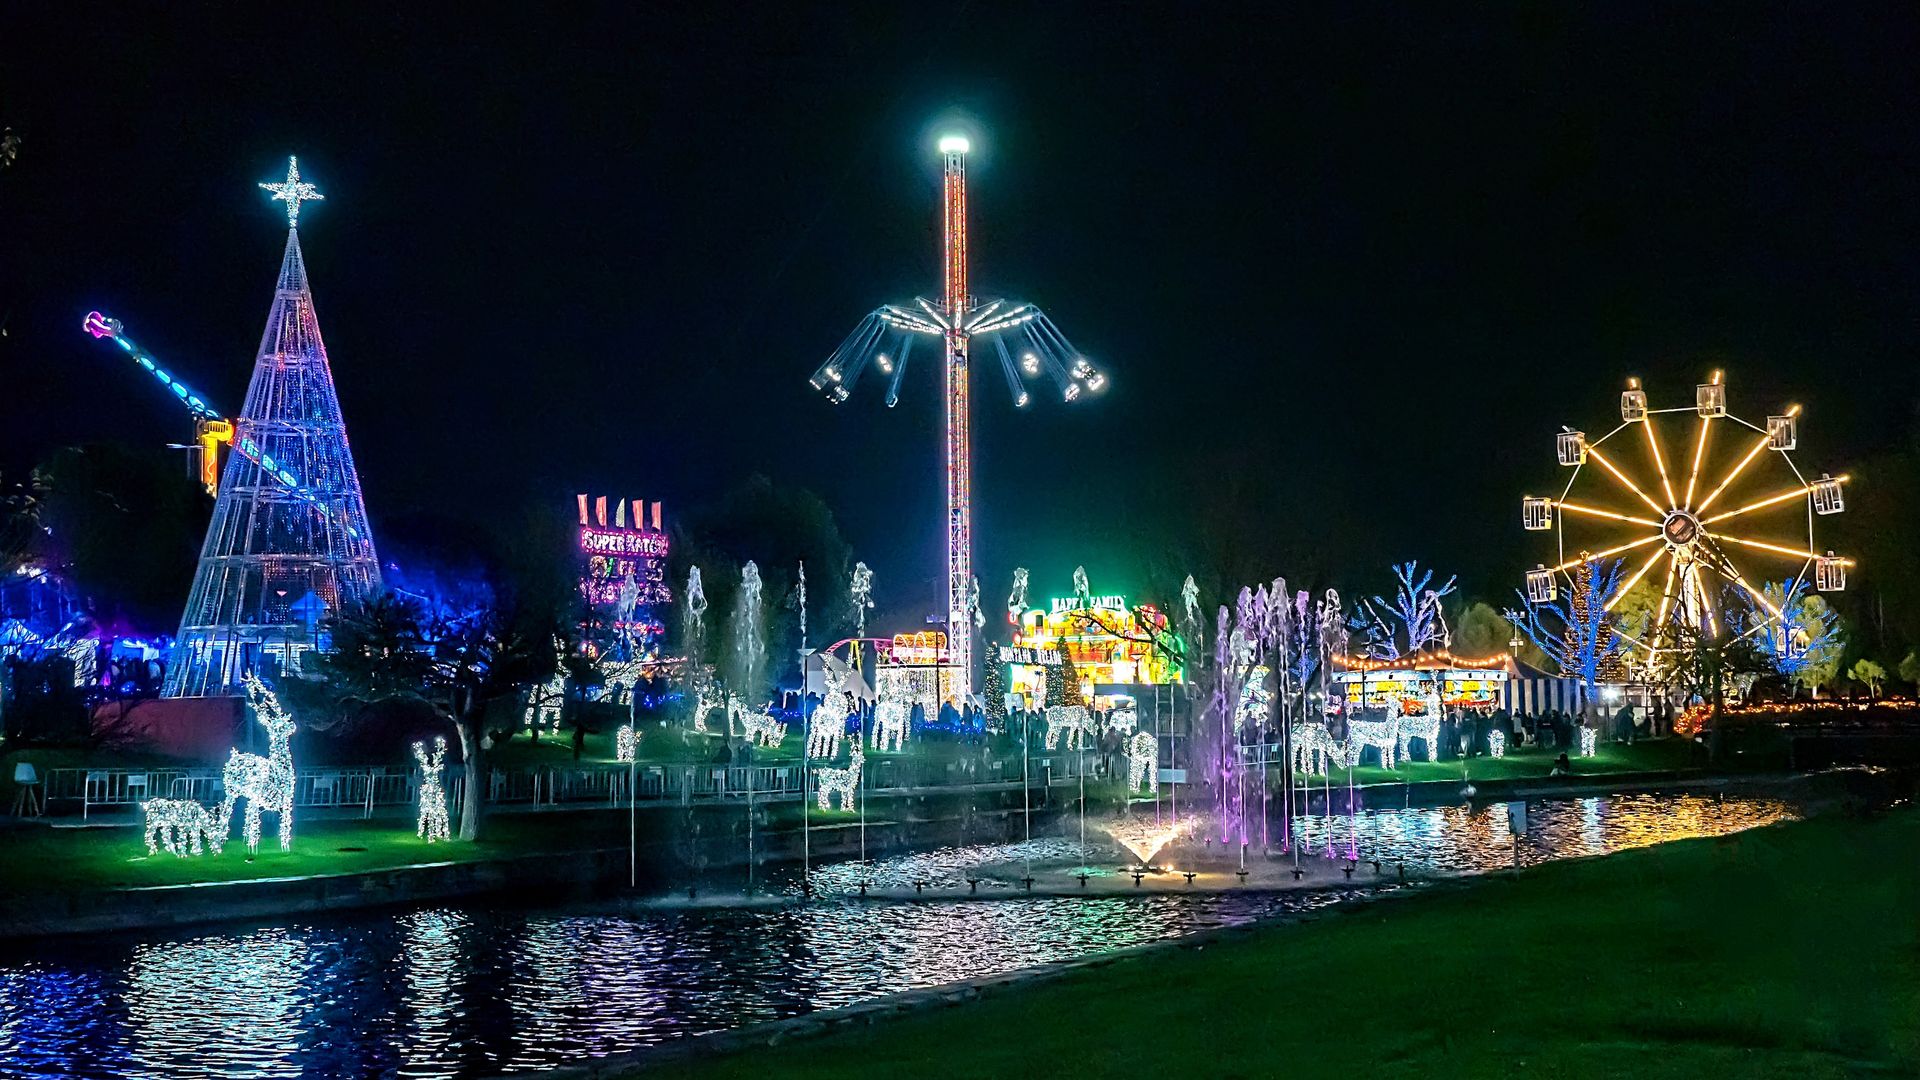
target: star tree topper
293 191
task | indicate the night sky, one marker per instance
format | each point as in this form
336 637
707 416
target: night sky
1350 274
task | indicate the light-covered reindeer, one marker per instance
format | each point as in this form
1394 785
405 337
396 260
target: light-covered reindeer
827 727
1382 735
433 790
1070 721
265 782
890 722
841 782
759 728
182 826
1143 762
1312 744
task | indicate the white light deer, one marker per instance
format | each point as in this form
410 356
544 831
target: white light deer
1425 727
1071 721
827 727
1124 721
841 782
705 700
433 790
1382 735
1313 744
180 825
1143 762
759 728
265 782
890 722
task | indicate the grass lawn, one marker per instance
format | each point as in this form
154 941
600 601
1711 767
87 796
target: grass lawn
1534 764
40 859
1769 953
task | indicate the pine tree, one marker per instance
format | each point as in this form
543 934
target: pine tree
1070 693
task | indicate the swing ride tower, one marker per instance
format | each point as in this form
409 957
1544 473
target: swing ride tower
883 341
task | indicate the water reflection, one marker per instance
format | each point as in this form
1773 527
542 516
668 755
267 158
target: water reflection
477 990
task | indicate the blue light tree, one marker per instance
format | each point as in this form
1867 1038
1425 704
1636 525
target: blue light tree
1415 607
1805 644
1576 632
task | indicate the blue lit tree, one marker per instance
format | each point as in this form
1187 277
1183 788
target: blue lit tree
1415 608
1576 632
1805 643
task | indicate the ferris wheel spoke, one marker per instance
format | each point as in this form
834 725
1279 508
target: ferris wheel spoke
1762 504
1758 445
1594 511
1621 592
1699 452
1761 545
1642 542
1666 591
1732 573
1659 462
1622 477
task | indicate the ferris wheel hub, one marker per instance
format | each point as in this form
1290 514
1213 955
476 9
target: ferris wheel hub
1680 529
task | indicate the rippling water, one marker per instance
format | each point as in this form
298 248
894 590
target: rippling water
477 989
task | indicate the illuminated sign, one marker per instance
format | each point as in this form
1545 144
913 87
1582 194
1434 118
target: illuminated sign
1020 654
925 647
626 557
596 541
1064 604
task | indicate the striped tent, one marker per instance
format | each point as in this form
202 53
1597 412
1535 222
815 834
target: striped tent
1536 695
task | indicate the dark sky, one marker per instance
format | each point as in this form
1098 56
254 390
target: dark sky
1351 271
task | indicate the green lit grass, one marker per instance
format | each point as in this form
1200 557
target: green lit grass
35 859
1769 953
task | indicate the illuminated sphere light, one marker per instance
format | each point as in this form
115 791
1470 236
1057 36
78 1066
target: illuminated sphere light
955 144
265 782
890 722
432 824
181 826
841 782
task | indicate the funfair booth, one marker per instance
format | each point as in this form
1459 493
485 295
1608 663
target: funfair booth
1409 685
1107 640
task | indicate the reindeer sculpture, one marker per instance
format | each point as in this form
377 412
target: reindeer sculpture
1382 735
265 782
841 782
433 791
1071 721
1312 744
180 825
1425 727
890 722
1143 762
1124 721
761 729
705 700
827 727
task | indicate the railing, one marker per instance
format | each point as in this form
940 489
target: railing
579 786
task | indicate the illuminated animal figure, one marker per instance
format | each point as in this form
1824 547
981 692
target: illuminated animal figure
180 826
626 744
544 703
1124 721
1425 727
1588 736
761 729
1070 721
1143 762
1312 744
1382 735
433 790
705 700
828 726
265 782
841 782
890 722
1497 742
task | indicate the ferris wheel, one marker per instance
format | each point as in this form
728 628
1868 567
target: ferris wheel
1693 516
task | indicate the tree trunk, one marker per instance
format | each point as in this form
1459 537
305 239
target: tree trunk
473 770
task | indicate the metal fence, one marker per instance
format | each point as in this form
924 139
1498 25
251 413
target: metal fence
581 786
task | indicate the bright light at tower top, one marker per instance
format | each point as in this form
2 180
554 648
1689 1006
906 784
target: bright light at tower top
954 144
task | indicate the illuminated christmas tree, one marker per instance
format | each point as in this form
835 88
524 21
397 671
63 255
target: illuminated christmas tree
1590 633
994 686
288 543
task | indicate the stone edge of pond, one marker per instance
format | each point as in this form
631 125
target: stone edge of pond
889 1006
